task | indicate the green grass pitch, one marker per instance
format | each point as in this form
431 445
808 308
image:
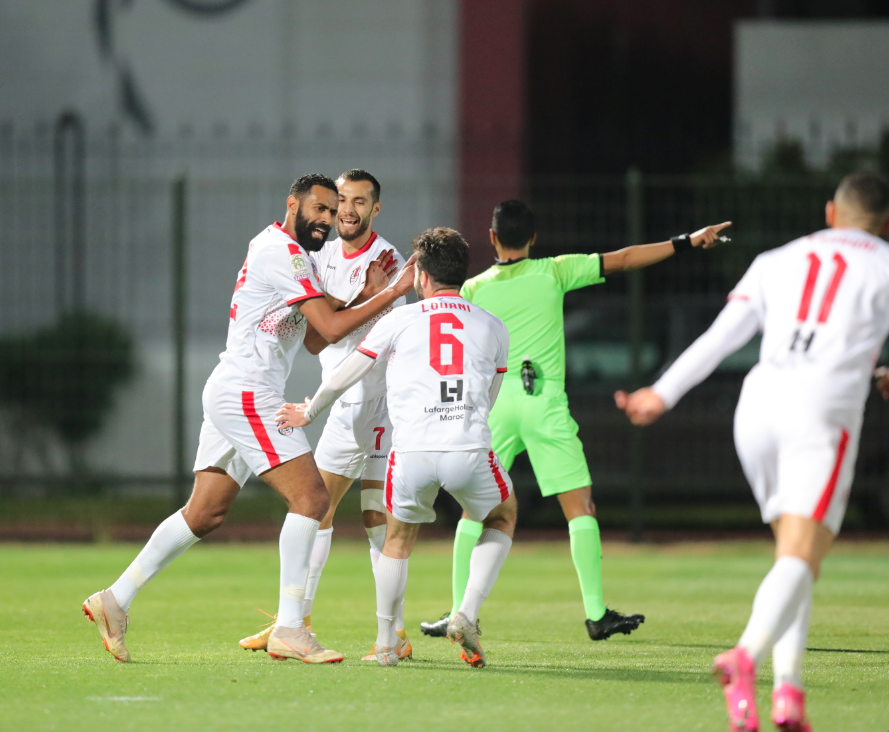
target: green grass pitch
189 673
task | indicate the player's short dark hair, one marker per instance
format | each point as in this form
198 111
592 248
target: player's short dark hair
513 224
444 255
355 175
868 191
303 185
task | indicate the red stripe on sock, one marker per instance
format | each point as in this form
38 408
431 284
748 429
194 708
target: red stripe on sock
501 484
389 481
249 406
827 495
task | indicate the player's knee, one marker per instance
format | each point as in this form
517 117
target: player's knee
205 522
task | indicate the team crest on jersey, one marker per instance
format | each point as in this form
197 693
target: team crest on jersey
353 278
299 267
285 431
315 269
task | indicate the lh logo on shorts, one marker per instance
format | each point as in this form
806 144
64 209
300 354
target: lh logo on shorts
285 431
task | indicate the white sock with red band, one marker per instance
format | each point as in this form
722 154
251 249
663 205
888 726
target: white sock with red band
487 558
788 652
167 542
320 553
785 588
295 545
391 578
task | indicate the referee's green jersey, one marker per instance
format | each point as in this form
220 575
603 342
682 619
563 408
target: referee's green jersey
527 296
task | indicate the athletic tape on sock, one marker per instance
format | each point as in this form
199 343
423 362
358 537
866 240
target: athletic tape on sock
135 575
372 500
293 592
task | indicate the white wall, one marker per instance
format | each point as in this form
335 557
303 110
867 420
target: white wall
824 83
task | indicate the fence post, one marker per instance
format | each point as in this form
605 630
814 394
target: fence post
635 338
179 281
69 163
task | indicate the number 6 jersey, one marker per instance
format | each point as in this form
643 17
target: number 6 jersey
443 354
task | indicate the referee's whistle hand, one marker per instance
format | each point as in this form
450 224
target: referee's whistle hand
643 407
708 236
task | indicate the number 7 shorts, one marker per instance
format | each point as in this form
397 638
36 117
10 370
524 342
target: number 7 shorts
356 440
474 477
240 435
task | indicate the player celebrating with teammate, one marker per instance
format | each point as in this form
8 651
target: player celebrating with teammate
822 305
357 436
446 358
532 414
275 295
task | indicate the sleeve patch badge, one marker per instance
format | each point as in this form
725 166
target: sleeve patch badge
299 266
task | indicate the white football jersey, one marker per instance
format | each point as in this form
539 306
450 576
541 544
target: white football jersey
265 330
441 354
342 276
823 307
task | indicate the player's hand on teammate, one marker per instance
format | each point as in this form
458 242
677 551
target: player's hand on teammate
378 274
293 415
643 406
882 376
404 283
709 235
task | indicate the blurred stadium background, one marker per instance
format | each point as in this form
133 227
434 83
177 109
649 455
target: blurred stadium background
144 142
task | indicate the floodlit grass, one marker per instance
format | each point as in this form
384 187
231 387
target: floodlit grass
189 673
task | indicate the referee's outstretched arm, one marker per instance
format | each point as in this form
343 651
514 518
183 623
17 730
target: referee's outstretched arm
644 255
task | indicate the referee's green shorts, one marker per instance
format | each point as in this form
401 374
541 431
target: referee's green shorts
542 425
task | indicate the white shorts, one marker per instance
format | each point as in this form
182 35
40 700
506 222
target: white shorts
240 435
474 477
356 440
798 461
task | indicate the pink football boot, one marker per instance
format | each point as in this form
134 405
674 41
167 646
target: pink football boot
736 672
789 709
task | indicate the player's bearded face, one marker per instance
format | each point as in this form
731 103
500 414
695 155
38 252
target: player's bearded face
350 225
310 233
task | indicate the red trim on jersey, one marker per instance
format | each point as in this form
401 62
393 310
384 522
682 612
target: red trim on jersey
811 279
249 406
832 287
501 484
310 289
827 495
366 352
733 296
502 371
367 245
233 312
278 226
295 249
389 481
303 298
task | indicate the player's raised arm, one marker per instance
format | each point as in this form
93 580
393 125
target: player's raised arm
379 273
333 325
644 255
349 373
733 328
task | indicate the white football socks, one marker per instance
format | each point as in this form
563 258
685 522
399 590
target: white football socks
391 579
376 535
320 553
297 538
487 558
167 542
787 586
787 653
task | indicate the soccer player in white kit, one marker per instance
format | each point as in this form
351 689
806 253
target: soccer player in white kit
822 305
445 362
357 436
275 294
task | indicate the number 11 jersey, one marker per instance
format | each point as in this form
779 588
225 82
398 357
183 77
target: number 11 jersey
823 306
443 354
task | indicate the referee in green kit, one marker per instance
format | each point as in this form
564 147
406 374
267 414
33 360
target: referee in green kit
531 412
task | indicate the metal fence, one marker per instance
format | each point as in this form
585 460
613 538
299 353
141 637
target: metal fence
116 274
